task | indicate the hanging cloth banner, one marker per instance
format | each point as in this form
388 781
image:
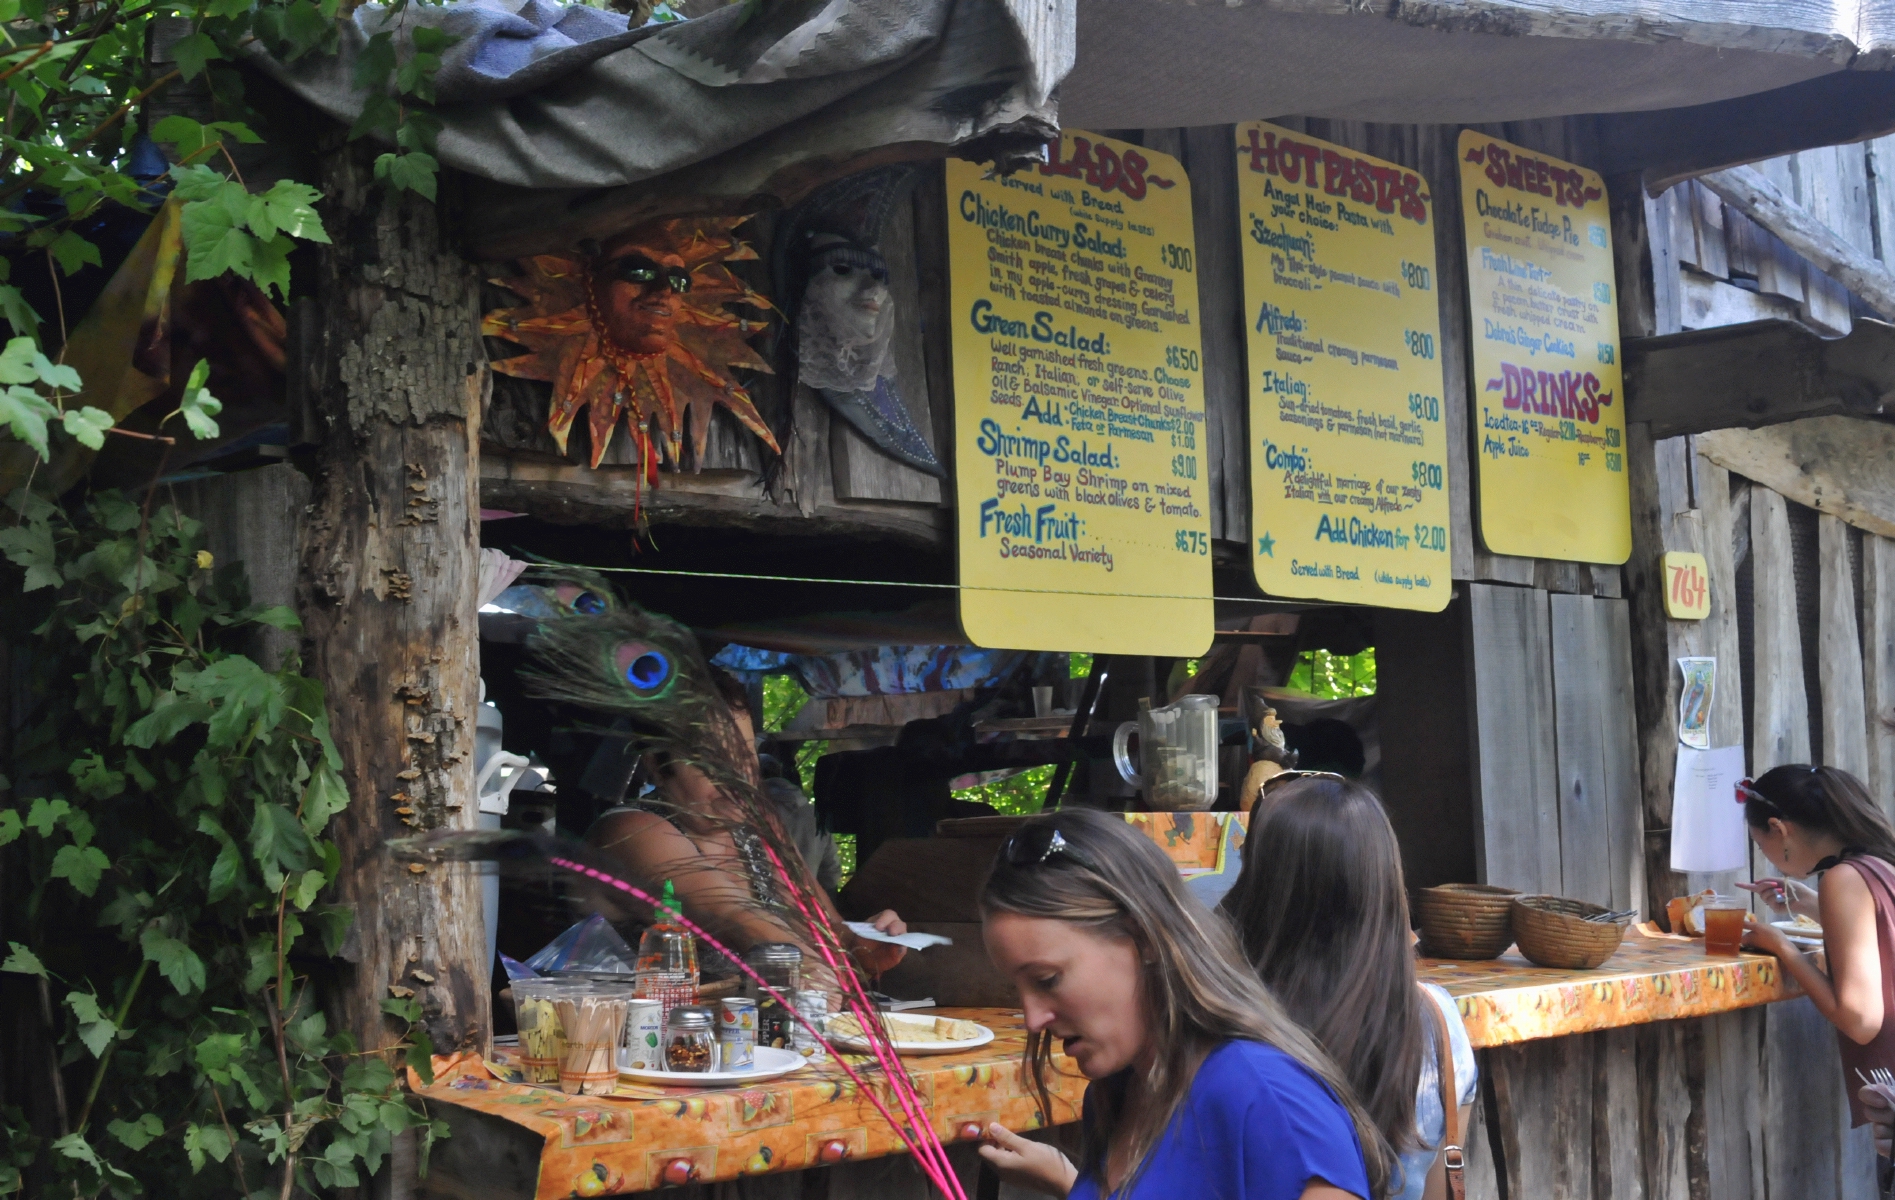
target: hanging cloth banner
1348 452
1080 475
1548 401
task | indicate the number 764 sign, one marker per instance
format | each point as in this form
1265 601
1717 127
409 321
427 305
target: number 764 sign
1687 586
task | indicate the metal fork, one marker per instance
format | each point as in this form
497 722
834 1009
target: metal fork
1883 1076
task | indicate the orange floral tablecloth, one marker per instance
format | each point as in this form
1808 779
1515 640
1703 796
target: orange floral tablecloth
646 1136
1650 979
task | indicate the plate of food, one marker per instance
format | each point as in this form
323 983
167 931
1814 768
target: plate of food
912 1034
1802 931
771 1062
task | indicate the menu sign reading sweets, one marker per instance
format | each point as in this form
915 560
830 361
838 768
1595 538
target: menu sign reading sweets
1549 411
1079 404
1348 454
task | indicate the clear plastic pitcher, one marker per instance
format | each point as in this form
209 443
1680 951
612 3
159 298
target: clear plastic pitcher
1177 753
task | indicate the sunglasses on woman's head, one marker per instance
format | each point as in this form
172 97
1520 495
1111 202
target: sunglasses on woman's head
1035 844
1282 777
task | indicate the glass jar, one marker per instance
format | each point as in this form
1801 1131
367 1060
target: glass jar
542 1032
781 966
690 1040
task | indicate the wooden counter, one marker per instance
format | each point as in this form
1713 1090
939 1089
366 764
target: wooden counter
514 1140
1649 979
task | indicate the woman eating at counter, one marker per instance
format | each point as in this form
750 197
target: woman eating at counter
696 836
1820 821
1322 913
1200 1084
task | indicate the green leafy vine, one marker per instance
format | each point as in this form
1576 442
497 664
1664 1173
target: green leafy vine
166 818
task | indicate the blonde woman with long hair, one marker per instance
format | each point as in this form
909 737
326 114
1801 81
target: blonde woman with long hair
1200 1085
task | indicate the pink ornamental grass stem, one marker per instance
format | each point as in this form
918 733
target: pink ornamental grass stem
948 1183
880 1044
829 945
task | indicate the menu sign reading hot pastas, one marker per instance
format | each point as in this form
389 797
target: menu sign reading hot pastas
1348 453
1078 404
1548 408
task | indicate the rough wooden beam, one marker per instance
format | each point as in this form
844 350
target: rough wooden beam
1837 465
1747 190
1676 143
574 494
1756 374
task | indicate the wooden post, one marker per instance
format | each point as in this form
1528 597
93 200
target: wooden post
389 566
1839 653
1878 664
1667 516
1780 706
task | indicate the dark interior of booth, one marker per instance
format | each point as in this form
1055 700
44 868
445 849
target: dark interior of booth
898 794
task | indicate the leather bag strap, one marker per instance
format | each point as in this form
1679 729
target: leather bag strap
1453 1158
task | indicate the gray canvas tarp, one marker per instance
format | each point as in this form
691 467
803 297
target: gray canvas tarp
538 96
535 95
1164 63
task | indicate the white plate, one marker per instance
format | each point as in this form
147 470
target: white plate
1802 935
771 1062
897 1020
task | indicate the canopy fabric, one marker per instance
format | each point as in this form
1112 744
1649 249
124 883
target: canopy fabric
1146 64
538 95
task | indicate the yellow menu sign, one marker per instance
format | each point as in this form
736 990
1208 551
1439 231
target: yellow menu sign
1079 404
1348 454
1548 404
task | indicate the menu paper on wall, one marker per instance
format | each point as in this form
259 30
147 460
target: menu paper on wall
1080 476
1548 403
1707 822
1348 452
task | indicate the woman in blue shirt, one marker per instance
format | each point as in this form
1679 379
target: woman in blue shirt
1201 1086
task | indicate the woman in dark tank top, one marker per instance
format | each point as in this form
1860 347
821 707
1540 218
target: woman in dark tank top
1821 821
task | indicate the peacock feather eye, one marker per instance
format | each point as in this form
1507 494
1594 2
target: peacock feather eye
646 669
583 601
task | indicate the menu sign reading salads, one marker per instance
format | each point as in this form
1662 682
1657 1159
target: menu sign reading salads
1548 406
1348 454
1079 404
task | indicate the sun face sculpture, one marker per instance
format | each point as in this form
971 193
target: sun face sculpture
638 329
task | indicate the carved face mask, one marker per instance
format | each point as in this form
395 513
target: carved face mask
637 296
846 319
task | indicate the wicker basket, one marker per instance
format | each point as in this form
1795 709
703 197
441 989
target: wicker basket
1465 920
1553 932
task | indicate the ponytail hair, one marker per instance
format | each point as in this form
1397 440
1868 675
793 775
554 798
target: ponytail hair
1824 800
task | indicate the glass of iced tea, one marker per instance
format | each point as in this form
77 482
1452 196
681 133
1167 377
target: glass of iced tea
1724 924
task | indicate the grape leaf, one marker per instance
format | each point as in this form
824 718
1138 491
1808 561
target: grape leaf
88 425
410 172
192 54
72 252
82 867
25 412
18 312
198 405
176 961
288 207
138 1134
96 1029
23 961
